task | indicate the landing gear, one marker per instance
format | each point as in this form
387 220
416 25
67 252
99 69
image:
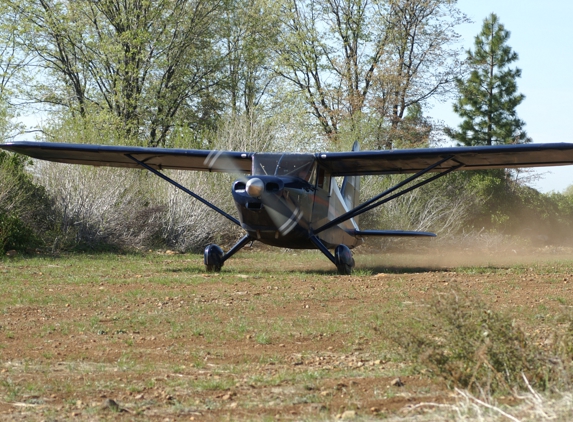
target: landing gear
214 257
343 260
342 257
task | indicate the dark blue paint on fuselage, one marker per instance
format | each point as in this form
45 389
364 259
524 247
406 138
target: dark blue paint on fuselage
282 215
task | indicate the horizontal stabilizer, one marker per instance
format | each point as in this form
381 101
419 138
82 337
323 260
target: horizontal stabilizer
392 233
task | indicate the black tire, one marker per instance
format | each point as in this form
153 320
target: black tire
343 260
344 269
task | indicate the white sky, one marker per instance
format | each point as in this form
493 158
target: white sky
542 36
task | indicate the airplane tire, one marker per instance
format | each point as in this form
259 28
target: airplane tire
344 269
213 258
213 268
344 260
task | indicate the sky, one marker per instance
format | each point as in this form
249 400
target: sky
542 36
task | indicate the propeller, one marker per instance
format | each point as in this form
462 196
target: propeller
283 212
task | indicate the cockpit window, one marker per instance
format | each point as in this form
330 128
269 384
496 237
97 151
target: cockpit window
295 165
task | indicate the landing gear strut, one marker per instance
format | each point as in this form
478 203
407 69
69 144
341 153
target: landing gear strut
214 257
342 257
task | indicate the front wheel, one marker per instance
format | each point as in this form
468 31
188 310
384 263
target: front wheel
344 269
213 258
213 268
344 260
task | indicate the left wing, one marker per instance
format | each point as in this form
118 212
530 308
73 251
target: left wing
338 163
466 158
119 156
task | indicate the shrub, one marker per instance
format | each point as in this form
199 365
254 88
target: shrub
99 208
475 348
120 208
443 206
23 204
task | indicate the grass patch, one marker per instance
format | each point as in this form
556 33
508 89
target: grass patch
159 335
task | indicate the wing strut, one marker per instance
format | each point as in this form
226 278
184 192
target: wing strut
371 203
184 189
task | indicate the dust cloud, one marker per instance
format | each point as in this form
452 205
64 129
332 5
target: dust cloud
505 253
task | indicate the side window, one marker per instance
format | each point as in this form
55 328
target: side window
311 178
322 179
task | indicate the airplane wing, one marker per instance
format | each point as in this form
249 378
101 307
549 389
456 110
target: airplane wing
469 158
338 163
118 156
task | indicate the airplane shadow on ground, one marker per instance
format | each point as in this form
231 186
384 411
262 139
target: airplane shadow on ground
359 271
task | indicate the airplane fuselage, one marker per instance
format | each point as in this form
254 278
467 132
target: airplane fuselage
284 199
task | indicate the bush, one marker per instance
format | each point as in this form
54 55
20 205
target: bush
15 234
104 207
99 208
443 206
475 348
23 205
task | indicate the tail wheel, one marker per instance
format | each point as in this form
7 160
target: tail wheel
213 258
344 260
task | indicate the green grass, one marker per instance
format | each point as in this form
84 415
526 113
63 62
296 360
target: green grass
120 326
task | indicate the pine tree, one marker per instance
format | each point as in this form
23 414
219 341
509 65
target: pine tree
488 98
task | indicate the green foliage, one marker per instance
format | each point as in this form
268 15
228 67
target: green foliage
492 188
106 208
150 65
475 348
445 206
249 32
357 59
568 191
21 204
102 128
9 128
220 75
513 208
491 201
488 98
14 233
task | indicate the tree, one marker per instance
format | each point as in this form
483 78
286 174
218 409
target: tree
148 64
422 60
361 59
414 130
12 64
249 33
488 98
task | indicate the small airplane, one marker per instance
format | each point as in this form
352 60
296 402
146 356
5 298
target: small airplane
292 200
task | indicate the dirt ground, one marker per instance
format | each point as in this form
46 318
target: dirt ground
159 339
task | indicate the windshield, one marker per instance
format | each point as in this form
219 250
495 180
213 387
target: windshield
295 165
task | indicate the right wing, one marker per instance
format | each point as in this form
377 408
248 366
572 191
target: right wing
401 161
118 156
